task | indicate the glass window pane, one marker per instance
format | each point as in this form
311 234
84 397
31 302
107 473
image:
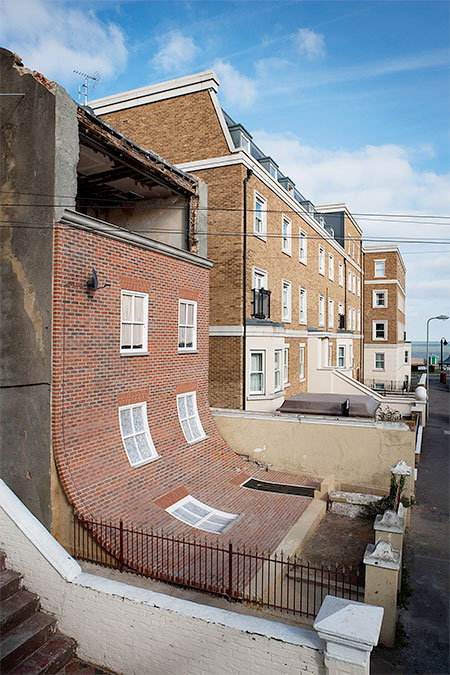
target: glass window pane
187 430
256 382
195 429
138 419
181 407
256 362
196 508
131 449
126 336
181 337
190 315
219 520
127 307
189 338
139 309
143 446
187 516
190 405
138 330
125 422
182 314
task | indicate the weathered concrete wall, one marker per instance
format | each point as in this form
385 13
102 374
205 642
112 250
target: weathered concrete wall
358 454
35 166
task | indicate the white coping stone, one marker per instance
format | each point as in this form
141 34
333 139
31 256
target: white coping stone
402 511
71 571
353 497
401 468
389 521
351 629
382 555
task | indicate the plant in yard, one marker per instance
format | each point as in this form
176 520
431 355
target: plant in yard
388 502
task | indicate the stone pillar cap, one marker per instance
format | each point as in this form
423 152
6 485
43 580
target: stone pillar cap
390 521
382 555
401 468
351 623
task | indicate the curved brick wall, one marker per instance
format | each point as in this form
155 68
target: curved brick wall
91 380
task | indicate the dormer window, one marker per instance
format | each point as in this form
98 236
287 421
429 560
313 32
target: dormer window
241 137
287 184
270 166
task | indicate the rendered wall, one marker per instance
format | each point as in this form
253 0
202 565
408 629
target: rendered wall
133 631
356 454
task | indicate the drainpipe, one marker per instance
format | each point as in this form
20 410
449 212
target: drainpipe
362 336
244 295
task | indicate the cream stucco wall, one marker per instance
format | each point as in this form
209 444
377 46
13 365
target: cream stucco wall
358 453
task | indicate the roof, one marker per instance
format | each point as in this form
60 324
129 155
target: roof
330 404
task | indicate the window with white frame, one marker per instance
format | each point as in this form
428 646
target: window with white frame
358 251
189 417
277 369
321 260
302 304
380 268
379 330
193 512
354 319
341 356
358 320
286 238
256 372
330 313
331 267
354 284
303 256
260 279
359 287
349 245
349 318
341 274
286 366
330 355
302 362
134 322
341 308
286 301
379 299
349 281
379 361
353 252
135 432
321 310
187 325
260 226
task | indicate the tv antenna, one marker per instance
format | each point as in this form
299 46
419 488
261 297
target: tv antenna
95 79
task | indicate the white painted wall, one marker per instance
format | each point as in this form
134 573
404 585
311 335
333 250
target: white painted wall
395 367
134 631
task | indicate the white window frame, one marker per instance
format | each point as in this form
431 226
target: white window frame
354 284
286 239
353 253
286 311
286 365
358 320
349 318
341 274
303 247
187 419
349 245
301 362
260 223
211 517
193 326
259 274
302 305
321 310
341 356
378 360
330 355
259 372
132 322
341 308
349 282
359 287
374 330
374 298
277 367
376 264
331 267
321 260
145 431
330 313
354 319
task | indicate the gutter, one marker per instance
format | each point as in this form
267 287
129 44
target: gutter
244 294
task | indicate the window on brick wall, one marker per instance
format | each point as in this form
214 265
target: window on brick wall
286 301
134 322
302 305
187 325
193 512
349 281
380 268
260 222
331 267
379 330
286 239
330 313
303 251
341 274
302 362
135 432
321 260
379 298
321 310
189 418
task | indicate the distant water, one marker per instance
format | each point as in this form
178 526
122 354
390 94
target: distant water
419 349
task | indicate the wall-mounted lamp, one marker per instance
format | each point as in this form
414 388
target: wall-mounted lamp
92 283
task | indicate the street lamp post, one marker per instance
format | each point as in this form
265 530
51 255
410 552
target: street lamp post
441 317
443 342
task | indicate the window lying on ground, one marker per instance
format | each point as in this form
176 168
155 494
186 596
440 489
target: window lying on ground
192 512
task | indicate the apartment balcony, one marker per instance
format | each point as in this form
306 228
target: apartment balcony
260 303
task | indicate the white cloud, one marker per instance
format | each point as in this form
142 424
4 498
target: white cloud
236 89
176 50
309 44
56 39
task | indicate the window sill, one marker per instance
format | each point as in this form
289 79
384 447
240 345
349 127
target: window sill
266 397
302 379
134 353
287 384
304 262
197 440
263 237
322 274
188 351
147 461
289 253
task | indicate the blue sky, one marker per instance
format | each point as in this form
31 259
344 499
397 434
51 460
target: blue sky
350 98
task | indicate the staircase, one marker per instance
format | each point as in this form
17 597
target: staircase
29 641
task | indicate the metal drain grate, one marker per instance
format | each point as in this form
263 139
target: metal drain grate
280 488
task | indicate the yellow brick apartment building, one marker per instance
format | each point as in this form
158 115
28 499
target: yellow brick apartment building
287 282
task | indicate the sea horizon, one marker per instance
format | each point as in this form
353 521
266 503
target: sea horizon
419 349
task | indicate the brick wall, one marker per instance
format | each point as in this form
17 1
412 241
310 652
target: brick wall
180 129
148 632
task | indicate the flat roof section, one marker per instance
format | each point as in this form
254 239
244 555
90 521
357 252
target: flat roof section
335 405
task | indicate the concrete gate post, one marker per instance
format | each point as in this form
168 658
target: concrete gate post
403 469
350 630
382 583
